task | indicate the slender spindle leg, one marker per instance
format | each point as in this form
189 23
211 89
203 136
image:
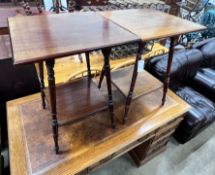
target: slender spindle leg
42 86
57 6
133 81
101 76
52 94
106 54
38 4
169 64
87 54
80 58
70 6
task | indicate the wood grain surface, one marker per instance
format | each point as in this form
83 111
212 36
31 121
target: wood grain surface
5 47
86 143
144 86
37 38
78 99
150 24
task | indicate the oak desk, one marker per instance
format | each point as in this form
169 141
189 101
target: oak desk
45 38
150 25
90 143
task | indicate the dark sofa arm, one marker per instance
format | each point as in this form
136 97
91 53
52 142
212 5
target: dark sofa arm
204 82
184 67
208 52
202 43
201 114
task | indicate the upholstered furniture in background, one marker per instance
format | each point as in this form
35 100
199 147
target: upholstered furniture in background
192 78
204 80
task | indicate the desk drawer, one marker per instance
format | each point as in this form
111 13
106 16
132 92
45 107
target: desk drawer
118 153
163 137
164 130
159 145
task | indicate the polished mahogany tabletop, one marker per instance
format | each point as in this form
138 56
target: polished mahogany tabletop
37 38
150 24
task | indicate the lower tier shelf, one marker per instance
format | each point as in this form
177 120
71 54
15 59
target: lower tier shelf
122 80
78 100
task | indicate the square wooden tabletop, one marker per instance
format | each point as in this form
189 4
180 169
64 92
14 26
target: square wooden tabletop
43 37
150 24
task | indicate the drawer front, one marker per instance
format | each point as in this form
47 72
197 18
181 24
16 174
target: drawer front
168 127
117 154
154 153
162 137
158 146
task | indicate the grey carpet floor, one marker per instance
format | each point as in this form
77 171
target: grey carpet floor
197 157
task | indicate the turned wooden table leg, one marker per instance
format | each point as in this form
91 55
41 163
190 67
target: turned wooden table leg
87 54
39 7
70 6
106 53
57 5
169 64
42 86
101 76
133 81
52 94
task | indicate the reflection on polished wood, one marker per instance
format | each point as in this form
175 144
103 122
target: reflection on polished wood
87 144
150 24
58 35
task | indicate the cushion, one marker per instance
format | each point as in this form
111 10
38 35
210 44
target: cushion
204 82
184 66
201 114
207 48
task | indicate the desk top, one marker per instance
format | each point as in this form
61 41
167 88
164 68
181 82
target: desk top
150 24
85 143
37 38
